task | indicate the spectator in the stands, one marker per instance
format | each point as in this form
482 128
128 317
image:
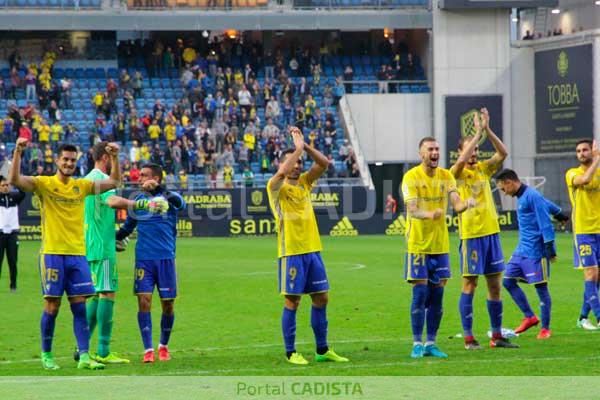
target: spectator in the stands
339 90
245 99
270 130
348 78
30 82
382 77
248 177
272 109
25 132
303 90
330 167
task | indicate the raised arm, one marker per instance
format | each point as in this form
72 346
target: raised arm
501 150
321 163
468 150
289 163
22 182
115 179
581 180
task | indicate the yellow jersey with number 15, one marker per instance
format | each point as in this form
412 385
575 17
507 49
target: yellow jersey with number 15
62 211
426 236
585 202
481 220
297 231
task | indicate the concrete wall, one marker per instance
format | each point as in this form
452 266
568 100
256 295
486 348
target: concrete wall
471 56
390 126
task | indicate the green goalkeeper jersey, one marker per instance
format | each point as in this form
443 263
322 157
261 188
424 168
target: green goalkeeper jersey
99 222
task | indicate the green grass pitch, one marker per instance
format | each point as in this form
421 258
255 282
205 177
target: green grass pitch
228 316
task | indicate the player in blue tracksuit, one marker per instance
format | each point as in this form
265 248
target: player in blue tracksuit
154 258
530 261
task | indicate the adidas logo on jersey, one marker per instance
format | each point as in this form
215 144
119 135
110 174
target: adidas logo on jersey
343 228
398 227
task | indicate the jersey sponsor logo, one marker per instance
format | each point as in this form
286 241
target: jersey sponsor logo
343 228
398 227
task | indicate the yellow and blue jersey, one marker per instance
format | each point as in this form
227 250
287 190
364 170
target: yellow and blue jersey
297 231
584 202
426 236
62 214
481 220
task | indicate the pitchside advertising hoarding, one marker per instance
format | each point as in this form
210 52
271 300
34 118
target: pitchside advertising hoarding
460 111
563 98
226 213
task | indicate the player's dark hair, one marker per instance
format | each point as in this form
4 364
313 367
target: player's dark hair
587 141
99 150
2 178
427 139
156 170
285 153
507 175
66 147
462 140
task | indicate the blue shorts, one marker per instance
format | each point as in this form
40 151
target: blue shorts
159 273
530 270
302 274
64 273
586 250
481 256
431 267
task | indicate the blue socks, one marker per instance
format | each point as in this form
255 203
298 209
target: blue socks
145 324
495 311
47 324
591 298
288 327
166 325
318 321
545 303
80 327
465 307
417 311
518 296
434 312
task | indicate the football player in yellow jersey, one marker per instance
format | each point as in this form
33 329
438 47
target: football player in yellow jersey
301 269
63 265
480 250
426 189
583 184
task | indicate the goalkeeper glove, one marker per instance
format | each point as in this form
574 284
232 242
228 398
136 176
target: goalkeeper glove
561 217
550 249
121 245
158 205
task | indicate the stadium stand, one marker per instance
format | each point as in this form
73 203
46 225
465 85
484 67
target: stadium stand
190 111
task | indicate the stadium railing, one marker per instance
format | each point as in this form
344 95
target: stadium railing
196 4
358 4
52 4
196 182
392 86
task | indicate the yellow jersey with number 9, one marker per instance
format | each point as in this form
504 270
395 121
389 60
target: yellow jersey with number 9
585 201
426 236
481 220
297 231
62 211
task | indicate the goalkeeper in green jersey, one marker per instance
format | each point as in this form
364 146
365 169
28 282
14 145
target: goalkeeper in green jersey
101 252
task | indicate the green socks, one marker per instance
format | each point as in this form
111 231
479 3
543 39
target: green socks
91 309
105 322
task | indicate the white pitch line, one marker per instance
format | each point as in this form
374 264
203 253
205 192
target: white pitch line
357 266
227 348
416 363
